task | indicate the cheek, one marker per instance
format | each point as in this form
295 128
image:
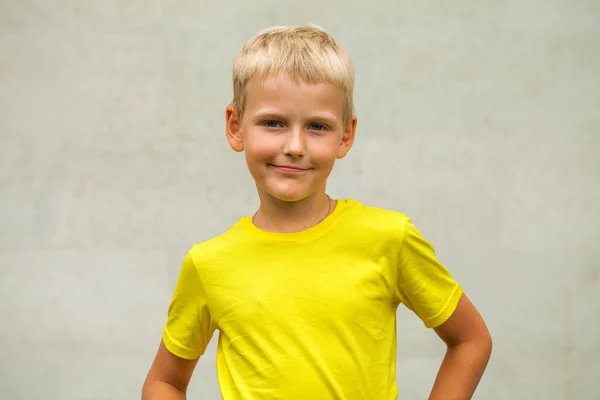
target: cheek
259 147
261 152
325 153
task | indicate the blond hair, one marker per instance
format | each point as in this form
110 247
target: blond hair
305 54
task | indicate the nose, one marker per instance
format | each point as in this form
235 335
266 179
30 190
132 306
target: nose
294 143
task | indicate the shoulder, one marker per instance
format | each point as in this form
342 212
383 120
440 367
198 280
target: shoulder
375 220
216 248
370 216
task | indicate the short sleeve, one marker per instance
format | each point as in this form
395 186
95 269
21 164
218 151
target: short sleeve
189 327
424 285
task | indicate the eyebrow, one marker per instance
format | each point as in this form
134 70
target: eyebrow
267 114
330 118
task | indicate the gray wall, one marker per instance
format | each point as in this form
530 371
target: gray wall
480 119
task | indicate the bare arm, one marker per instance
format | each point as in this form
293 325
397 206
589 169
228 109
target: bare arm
168 377
469 349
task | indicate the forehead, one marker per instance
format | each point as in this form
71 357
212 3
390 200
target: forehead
286 95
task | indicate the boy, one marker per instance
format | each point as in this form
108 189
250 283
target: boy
304 292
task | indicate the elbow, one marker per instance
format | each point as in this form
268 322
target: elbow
482 340
490 344
485 345
480 346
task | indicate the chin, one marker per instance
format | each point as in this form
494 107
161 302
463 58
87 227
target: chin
289 197
288 194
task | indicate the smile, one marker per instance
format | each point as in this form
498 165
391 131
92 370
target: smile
289 169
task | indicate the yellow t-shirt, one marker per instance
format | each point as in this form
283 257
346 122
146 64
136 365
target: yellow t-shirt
312 314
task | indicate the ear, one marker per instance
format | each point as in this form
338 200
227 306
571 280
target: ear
348 137
233 129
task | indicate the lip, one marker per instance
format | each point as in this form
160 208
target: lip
289 169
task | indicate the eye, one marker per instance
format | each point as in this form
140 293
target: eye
271 124
317 127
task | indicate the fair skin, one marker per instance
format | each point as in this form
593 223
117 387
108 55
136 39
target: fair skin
468 349
292 134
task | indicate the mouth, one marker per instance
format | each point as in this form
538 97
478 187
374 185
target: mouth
289 169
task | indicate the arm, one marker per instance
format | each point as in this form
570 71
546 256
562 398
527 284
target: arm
469 347
168 377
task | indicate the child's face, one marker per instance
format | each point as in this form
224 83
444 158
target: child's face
291 135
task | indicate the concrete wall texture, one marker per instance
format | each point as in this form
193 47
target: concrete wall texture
479 119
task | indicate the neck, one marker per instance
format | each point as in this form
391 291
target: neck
275 215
